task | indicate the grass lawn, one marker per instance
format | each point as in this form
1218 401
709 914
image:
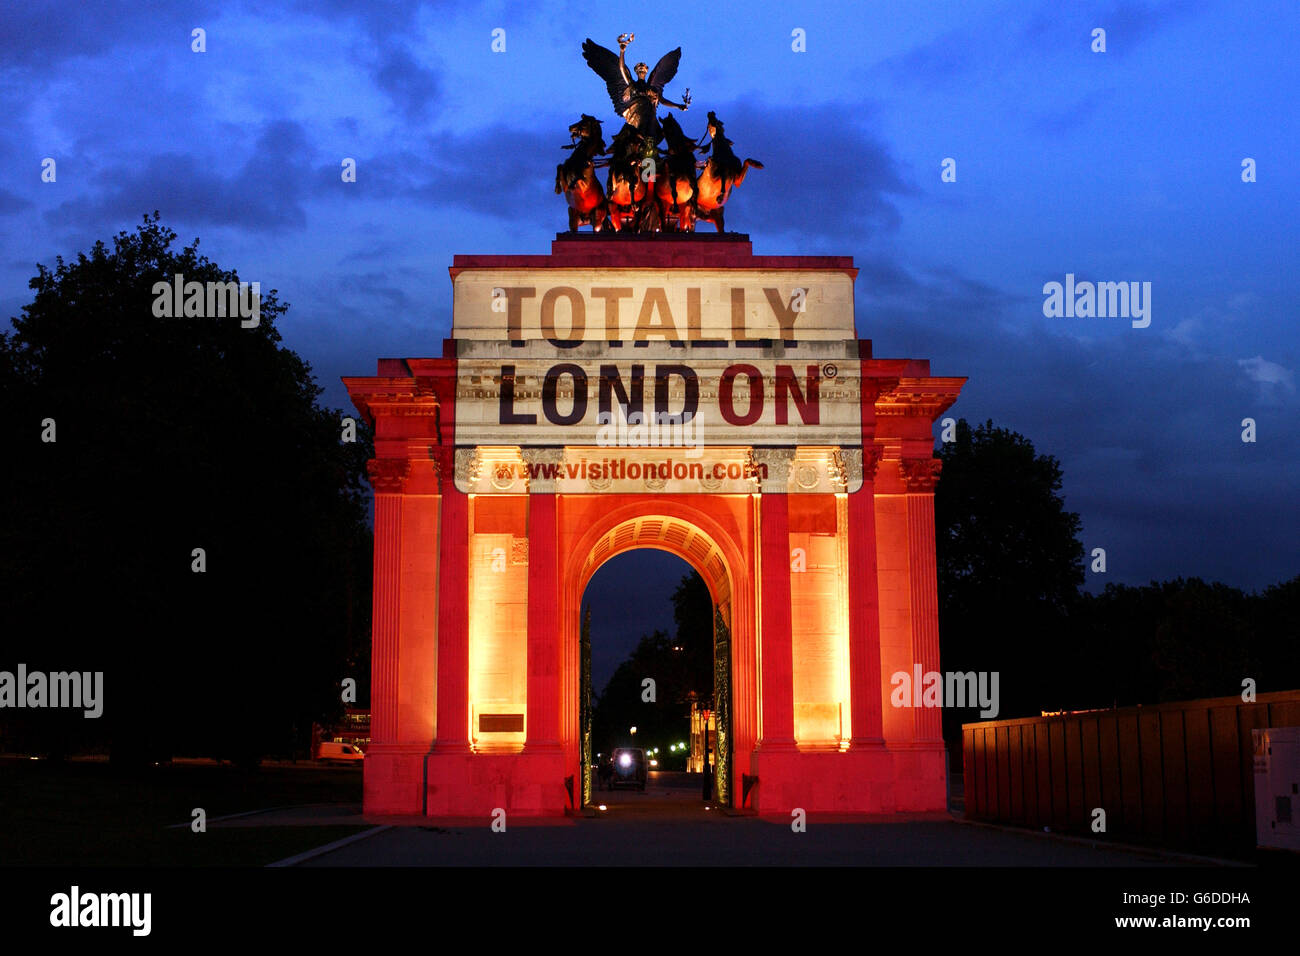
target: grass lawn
87 813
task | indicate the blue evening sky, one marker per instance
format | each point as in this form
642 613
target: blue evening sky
1123 165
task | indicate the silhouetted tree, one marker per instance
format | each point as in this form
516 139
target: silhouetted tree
1275 623
1184 639
1010 567
693 617
1009 563
175 434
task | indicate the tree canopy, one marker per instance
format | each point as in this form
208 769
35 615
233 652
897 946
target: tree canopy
1010 569
1009 563
173 434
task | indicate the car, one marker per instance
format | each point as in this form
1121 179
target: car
604 771
629 766
333 750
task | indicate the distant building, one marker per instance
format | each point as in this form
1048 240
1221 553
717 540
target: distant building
703 734
353 728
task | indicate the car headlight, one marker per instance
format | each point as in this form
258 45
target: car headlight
625 760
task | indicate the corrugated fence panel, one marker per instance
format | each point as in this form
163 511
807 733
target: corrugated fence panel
1043 756
1174 763
1130 768
1003 737
1092 778
1249 717
1180 774
969 800
1112 793
1284 713
1074 771
1200 776
1029 754
1226 755
1060 773
1153 774
981 773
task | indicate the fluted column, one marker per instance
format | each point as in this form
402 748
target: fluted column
543 724
453 619
775 642
387 478
864 602
920 476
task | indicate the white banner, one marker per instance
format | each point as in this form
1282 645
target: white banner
647 305
629 396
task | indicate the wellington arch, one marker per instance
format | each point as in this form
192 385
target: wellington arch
664 391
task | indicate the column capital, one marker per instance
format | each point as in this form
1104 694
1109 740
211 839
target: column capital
465 467
859 464
490 469
920 475
541 480
388 475
778 462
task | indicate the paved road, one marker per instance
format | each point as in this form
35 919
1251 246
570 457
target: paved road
668 825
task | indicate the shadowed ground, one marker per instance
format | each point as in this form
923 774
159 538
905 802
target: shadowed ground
669 825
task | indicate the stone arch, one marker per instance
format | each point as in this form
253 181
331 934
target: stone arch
706 535
673 535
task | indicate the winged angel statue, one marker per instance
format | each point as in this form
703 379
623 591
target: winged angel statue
646 189
636 99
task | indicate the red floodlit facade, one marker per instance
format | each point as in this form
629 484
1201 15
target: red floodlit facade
477 593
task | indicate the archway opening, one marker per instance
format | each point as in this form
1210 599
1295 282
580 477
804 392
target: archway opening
655 667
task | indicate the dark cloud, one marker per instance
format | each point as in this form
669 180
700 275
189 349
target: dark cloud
266 192
995 47
1128 24
390 25
412 87
381 19
826 177
939 61
481 171
1073 115
379 292
1148 432
11 203
40 33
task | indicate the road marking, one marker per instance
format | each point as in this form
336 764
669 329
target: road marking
329 847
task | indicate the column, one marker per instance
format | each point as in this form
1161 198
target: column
387 478
453 616
920 476
864 602
543 722
777 677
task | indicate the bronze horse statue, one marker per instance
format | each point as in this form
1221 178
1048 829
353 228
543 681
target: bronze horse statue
675 186
723 172
576 178
629 203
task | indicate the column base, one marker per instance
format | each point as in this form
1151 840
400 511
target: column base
476 785
777 746
542 749
392 779
823 782
922 775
